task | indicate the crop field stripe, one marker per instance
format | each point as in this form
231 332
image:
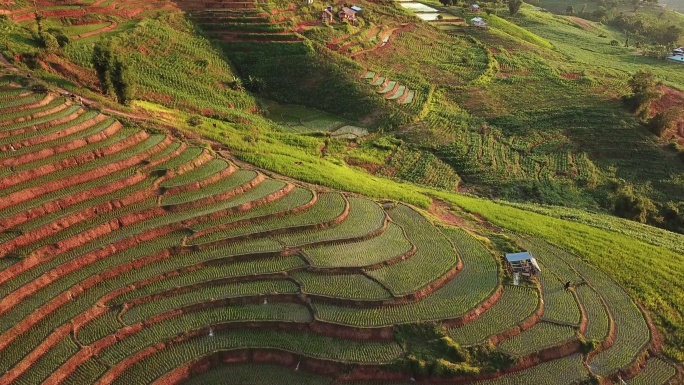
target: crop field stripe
256 374
299 198
102 135
655 372
570 369
329 207
470 288
143 308
365 219
632 334
345 286
434 257
175 354
598 326
540 336
392 243
515 305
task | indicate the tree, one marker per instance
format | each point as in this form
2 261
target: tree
50 42
514 6
570 10
632 205
583 11
672 35
122 82
101 60
644 90
39 23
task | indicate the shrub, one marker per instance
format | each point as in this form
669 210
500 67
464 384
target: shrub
50 42
194 121
665 120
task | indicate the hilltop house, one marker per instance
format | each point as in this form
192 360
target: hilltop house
348 14
327 16
677 55
522 263
479 23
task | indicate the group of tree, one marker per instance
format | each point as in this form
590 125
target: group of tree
644 90
635 205
52 39
113 74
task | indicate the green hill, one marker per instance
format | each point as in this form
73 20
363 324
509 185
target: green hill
285 199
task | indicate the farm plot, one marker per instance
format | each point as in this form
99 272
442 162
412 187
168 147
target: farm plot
251 374
434 258
469 288
515 305
542 335
632 334
154 254
390 244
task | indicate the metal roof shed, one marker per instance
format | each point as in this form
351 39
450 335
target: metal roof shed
523 262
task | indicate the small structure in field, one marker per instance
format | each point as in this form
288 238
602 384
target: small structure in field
479 23
522 263
356 8
327 16
677 55
308 2
474 8
348 14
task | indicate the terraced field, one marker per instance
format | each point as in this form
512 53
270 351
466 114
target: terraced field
128 257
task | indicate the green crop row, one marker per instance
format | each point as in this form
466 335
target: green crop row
44 366
100 327
92 147
655 372
310 345
365 216
296 198
88 166
206 170
347 286
22 101
212 291
390 244
515 305
631 331
328 207
161 331
473 285
86 373
434 257
30 112
222 186
186 156
542 335
598 325
38 121
255 374
559 304
565 370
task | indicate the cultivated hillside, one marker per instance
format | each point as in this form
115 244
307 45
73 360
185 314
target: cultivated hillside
131 257
246 217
